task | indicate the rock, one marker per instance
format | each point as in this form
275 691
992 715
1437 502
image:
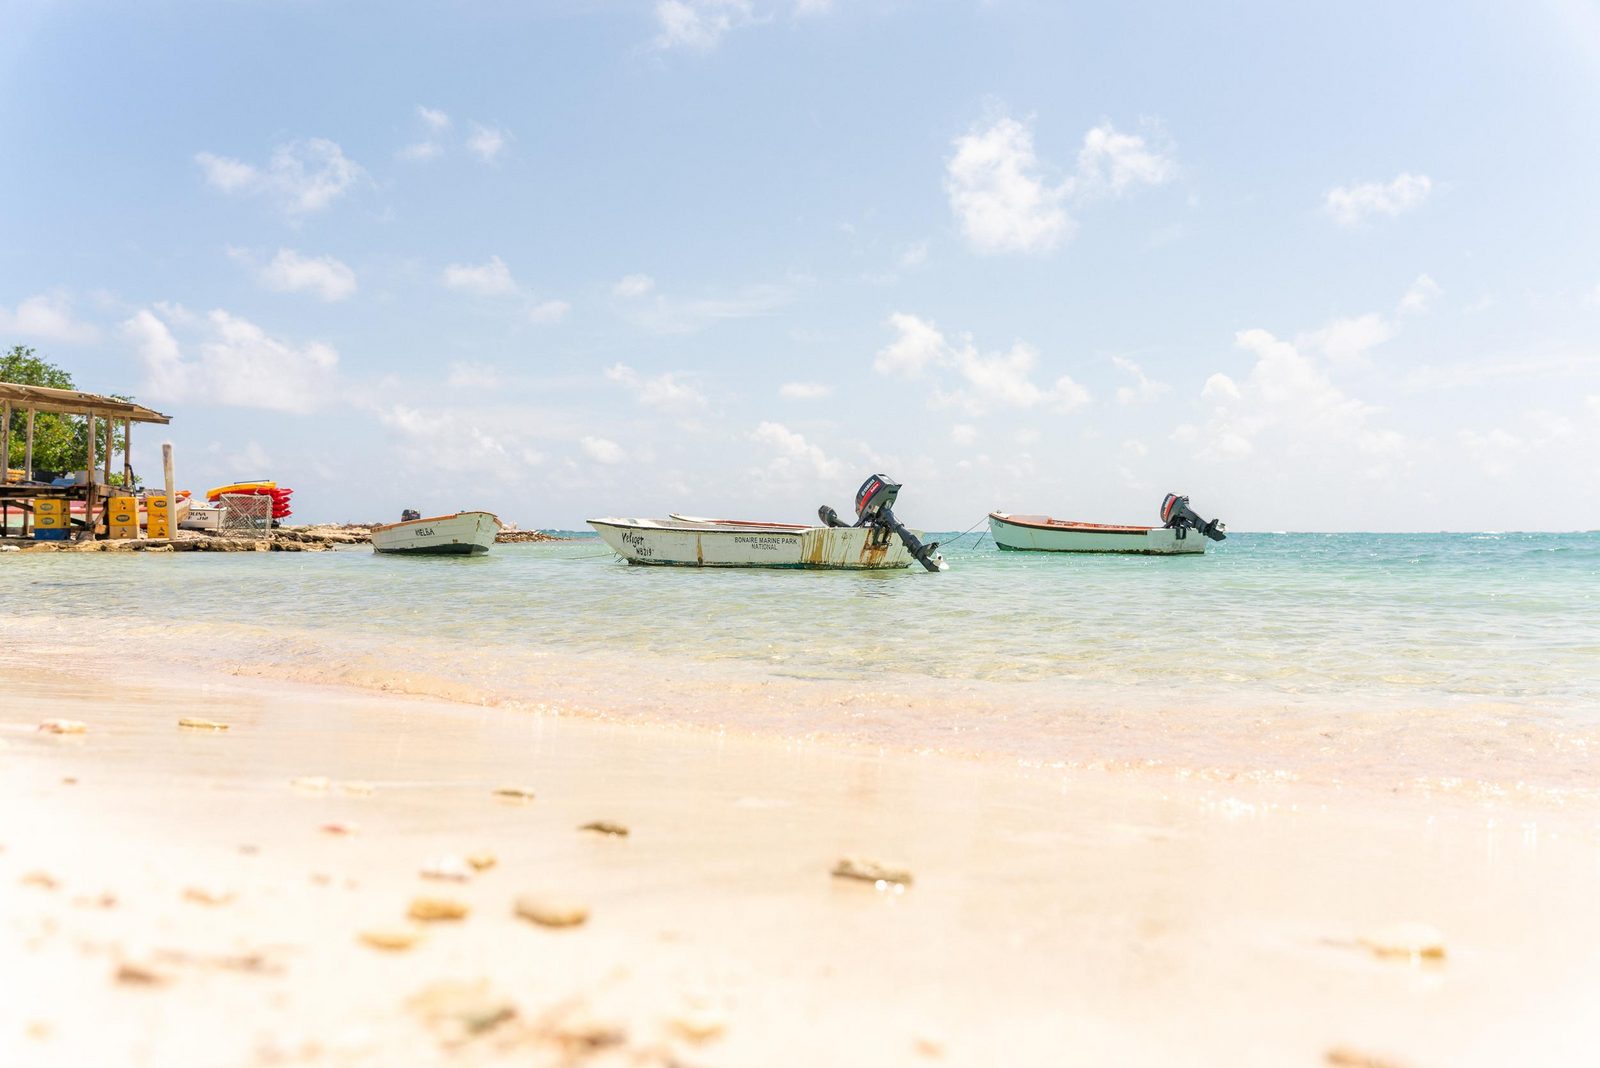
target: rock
585 1034
460 1010
64 726
139 975
454 869
698 1025
1408 940
207 895
41 879
482 860
514 793
196 724
605 827
872 871
432 909
548 913
393 939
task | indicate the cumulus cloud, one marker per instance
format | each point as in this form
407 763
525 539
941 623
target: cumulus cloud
492 279
302 176
602 450
1346 341
1420 297
979 382
804 390
1351 205
667 392
665 314
548 311
236 363
963 434
633 285
1007 200
290 272
434 119
45 317
792 456
486 142
1143 390
698 24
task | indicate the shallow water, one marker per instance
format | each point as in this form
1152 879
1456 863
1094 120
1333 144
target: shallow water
1469 635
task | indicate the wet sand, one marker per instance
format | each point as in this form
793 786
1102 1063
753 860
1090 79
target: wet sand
1087 916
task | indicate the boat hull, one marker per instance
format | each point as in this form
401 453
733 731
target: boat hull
1045 535
688 543
462 534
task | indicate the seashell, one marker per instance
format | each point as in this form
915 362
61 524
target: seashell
195 723
41 879
207 895
139 975
430 909
462 1008
394 939
514 793
482 860
872 871
699 1025
605 827
64 726
452 868
547 913
1409 940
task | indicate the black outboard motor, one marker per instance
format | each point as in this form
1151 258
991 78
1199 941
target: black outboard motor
1176 513
874 508
409 514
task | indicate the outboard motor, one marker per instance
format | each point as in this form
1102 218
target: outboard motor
409 514
1176 513
874 508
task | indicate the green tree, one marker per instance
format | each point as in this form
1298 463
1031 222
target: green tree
60 442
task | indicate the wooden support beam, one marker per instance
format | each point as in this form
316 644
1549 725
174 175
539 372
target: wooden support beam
5 444
111 441
172 492
127 455
91 494
27 450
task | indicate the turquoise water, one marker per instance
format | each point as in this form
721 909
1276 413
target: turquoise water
1508 623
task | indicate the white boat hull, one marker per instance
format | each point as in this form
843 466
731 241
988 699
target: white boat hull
1042 534
462 534
712 543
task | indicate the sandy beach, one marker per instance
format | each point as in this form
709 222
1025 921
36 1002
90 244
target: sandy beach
199 897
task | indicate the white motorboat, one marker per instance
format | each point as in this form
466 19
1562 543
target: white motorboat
878 541
461 534
1183 532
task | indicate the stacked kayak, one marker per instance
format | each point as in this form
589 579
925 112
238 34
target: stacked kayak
279 495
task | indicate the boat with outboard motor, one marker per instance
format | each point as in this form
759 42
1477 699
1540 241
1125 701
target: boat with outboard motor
877 541
460 534
1039 533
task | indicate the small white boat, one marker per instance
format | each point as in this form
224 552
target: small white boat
1183 533
878 542
461 534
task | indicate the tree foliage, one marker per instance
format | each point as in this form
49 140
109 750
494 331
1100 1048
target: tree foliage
60 442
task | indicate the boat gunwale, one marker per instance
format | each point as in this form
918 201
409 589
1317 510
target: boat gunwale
1044 522
437 519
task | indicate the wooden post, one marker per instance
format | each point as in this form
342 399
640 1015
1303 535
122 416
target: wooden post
127 455
90 494
111 440
5 447
27 450
172 493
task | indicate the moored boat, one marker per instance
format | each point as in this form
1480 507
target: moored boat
1183 532
460 534
877 541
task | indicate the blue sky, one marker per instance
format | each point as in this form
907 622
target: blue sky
1318 268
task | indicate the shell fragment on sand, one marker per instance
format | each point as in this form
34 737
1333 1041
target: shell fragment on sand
514 793
133 974
872 871
482 860
1408 940
549 913
393 939
64 726
207 895
433 909
605 827
698 1025
194 723
454 869
460 1010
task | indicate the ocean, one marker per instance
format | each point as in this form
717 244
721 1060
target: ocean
1433 659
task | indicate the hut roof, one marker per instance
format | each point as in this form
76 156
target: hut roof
74 402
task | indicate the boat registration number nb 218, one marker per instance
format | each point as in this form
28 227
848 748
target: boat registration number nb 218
423 532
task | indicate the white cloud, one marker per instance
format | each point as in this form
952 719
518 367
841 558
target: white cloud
466 374
1420 296
549 311
1144 390
668 391
433 118
1347 340
471 440
634 285
998 193
1593 401
804 390
915 254
238 365
421 150
303 176
963 434
793 457
698 24
492 279
672 315
1005 200
47 317
1352 205
486 142
602 450
1003 380
290 272
1219 389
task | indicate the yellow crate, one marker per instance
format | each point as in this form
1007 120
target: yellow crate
50 507
157 524
156 503
124 511
49 522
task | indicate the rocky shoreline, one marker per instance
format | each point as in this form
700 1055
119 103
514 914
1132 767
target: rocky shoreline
290 539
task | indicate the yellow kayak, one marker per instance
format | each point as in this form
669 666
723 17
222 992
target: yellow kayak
239 487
